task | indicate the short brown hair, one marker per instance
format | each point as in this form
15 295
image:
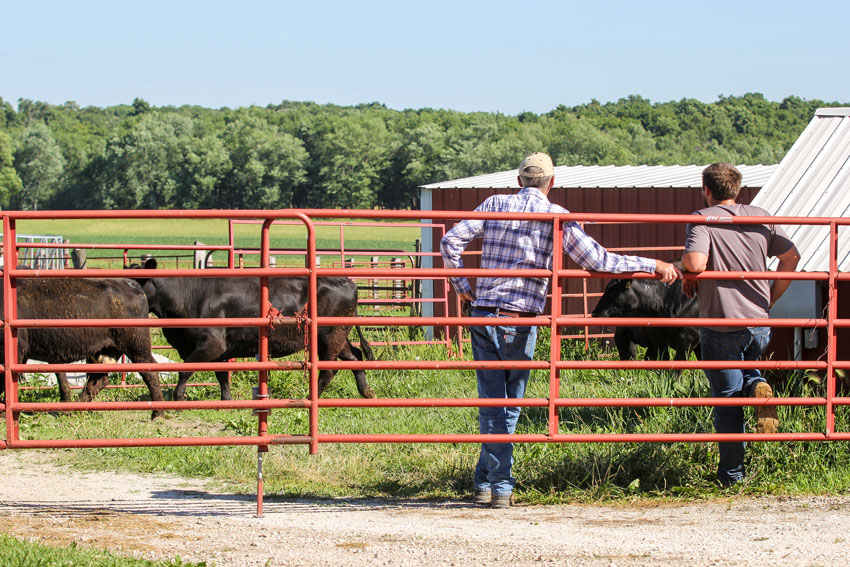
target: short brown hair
723 180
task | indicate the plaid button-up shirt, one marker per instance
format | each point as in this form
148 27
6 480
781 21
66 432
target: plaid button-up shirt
512 244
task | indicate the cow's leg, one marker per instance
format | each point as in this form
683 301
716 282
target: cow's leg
625 346
325 377
211 348
95 382
331 345
223 377
335 345
143 355
151 380
64 387
657 352
352 353
179 393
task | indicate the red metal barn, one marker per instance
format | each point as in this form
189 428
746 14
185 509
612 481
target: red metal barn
595 189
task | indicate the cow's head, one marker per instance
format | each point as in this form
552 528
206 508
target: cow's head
150 264
147 283
619 300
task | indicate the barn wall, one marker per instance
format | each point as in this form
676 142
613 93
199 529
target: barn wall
782 342
624 238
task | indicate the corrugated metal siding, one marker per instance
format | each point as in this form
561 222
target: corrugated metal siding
813 180
613 176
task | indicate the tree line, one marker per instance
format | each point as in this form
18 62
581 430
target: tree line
306 155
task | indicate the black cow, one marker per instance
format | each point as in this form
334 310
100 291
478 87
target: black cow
173 298
78 298
650 298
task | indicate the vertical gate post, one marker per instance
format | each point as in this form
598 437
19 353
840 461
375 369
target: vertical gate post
10 309
554 337
263 375
230 240
584 302
832 315
312 312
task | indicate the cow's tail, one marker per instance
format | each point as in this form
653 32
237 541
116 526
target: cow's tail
364 344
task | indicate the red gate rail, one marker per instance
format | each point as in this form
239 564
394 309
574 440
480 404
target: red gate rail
555 366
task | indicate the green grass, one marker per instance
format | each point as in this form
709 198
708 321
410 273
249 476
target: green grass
546 473
16 552
215 232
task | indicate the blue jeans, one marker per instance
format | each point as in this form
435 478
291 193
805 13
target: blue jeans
493 471
746 344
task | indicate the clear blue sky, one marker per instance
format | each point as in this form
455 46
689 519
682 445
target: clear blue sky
494 56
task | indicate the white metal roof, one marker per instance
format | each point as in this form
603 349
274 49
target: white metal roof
813 180
612 176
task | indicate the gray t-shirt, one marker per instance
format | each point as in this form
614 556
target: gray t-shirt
737 248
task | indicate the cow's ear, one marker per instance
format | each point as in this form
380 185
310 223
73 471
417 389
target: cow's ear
150 264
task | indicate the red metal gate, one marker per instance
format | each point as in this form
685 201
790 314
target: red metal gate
315 437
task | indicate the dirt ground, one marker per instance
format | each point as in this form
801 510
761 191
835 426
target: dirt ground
160 517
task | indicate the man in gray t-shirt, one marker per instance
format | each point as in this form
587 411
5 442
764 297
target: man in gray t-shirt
720 246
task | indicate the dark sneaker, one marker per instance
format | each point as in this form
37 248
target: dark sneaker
481 498
501 501
767 420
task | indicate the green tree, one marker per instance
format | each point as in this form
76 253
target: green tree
10 183
204 165
351 154
141 165
267 165
40 165
313 155
140 106
7 114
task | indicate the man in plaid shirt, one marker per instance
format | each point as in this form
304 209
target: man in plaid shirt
513 244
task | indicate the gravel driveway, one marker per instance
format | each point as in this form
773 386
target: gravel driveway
160 517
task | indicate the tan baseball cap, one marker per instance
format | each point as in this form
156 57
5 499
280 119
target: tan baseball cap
540 160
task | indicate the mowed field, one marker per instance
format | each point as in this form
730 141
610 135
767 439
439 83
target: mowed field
371 236
546 473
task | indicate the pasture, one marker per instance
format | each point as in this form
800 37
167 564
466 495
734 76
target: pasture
546 473
215 232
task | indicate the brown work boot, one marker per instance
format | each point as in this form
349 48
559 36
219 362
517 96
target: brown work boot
767 420
501 501
481 498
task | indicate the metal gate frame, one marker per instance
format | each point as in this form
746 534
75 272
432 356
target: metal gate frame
314 438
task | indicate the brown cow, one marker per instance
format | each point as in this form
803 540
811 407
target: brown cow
84 298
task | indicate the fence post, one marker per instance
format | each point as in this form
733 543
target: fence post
416 305
399 287
374 282
78 258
